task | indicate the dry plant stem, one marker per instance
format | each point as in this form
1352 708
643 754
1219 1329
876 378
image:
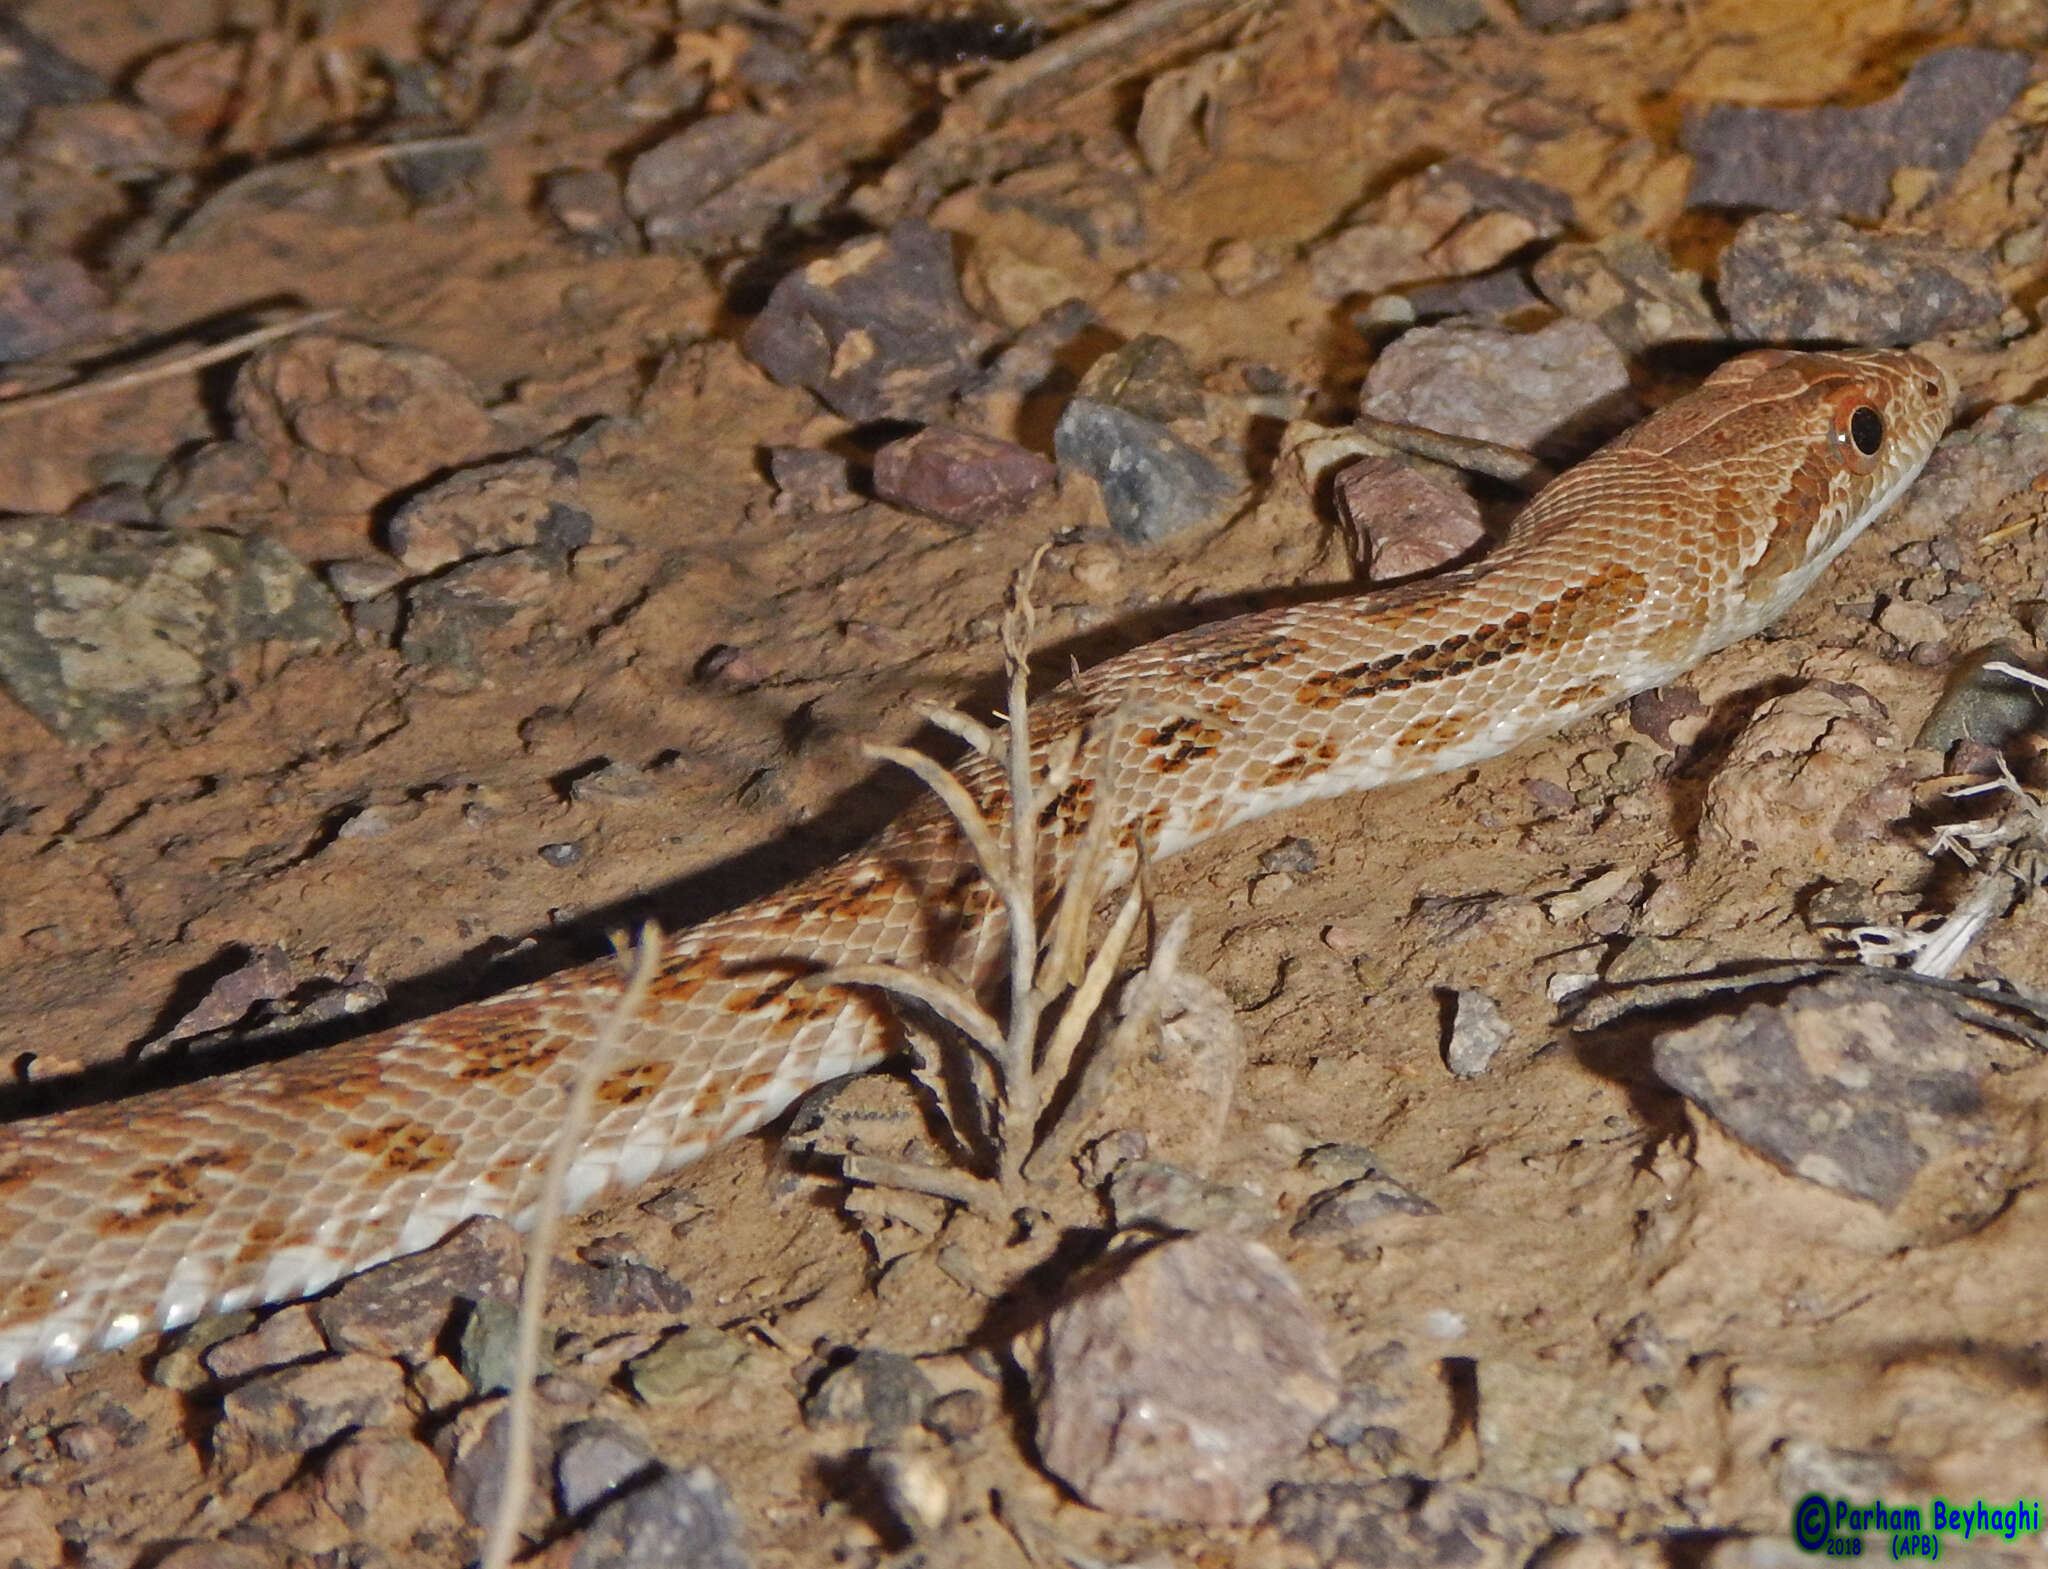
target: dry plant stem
1019 890
1510 465
951 1001
953 722
1088 994
504 1533
1146 993
163 370
1973 1004
984 1198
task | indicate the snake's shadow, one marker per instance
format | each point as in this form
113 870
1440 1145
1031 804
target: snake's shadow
501 962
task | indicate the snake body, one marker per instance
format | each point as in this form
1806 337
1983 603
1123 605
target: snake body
1695 529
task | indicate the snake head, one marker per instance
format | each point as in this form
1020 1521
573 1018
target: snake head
1800 452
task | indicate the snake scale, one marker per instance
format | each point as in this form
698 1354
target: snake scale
1695 529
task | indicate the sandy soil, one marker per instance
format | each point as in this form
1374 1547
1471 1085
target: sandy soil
1617 1311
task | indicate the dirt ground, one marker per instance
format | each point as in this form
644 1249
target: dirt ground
1616 1310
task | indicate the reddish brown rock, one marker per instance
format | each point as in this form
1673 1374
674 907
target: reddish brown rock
959 476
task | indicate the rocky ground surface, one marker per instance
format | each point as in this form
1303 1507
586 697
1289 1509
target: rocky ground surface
480 469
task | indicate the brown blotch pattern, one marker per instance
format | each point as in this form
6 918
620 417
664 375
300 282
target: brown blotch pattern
1072 807
260 1241
848 899
1554 623
402 1146
1213 652
1310 757
1178 743
1432 733
632 1084
166 1190
509 1047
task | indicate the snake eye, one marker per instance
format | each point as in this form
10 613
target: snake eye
1859 435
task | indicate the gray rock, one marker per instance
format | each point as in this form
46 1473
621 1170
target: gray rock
884 1392
1153 484
402 1308
590 209
301 1407
678 1520
1831 160
1166 1198
1478 1032
623 1291
1795 279
450 619
1848 1082
717 184
1351 1206
1178 1383
47 303
33 72
489 1344
595 1459
1984 706
106 629
1446 1526
1561 15
810 481
1554 392
1630 289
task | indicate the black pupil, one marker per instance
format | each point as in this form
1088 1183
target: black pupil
1866 430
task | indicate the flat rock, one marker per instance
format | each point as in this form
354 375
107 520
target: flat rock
47 303
1449 1526
491 507
1630 289
1786 278
1832 161
1849 1082
1455 218
724 182
105 629
1553 392
34 72
299 1408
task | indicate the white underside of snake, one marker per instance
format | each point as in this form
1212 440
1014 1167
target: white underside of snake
1697 528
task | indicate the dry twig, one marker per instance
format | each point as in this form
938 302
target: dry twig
540 1246
177 365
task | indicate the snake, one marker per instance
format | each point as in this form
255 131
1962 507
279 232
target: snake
1694 529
